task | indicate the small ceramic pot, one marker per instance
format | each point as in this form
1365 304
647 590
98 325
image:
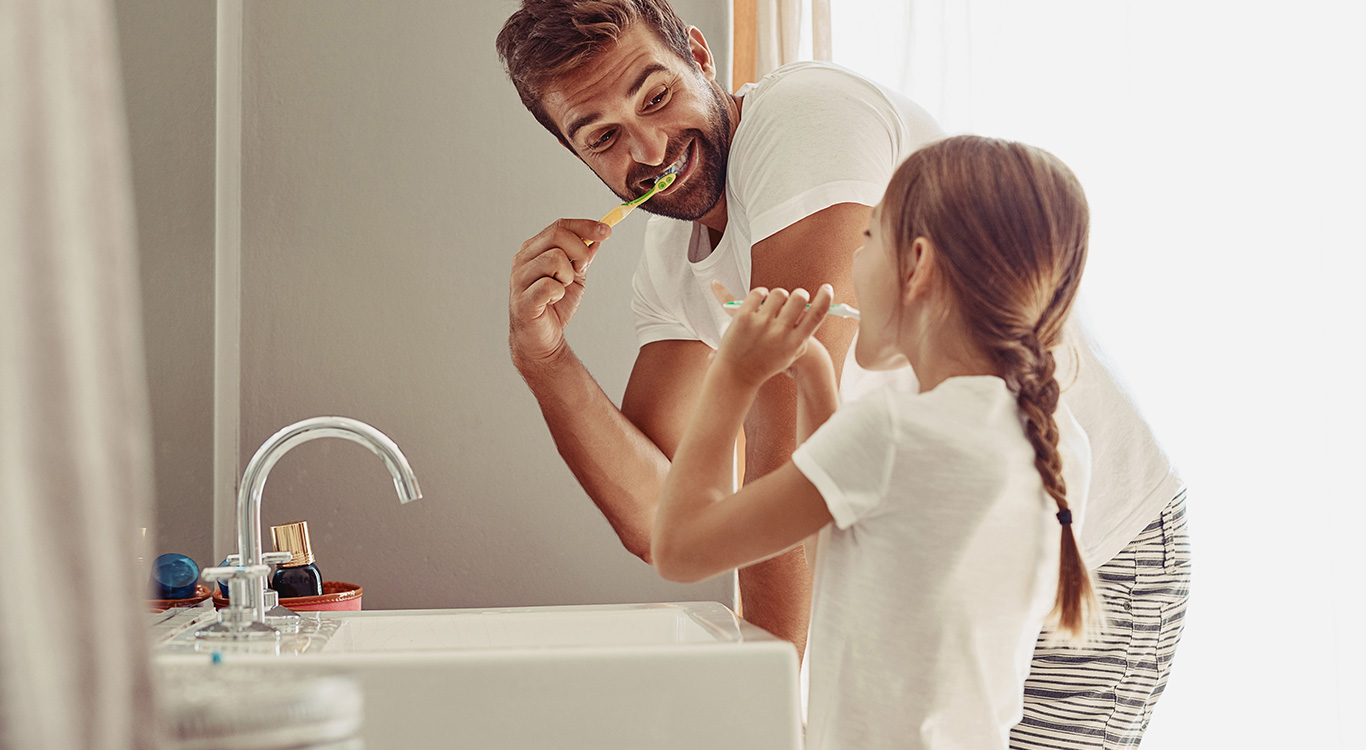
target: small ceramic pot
201 592
336 597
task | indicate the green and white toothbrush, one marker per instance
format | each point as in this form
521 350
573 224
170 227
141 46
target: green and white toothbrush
839 309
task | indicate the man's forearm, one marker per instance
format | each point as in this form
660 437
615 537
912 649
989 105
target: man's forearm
620 468
775 594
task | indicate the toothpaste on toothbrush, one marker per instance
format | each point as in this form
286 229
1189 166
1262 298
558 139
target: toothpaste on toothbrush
839 309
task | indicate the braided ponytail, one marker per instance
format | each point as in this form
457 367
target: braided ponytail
1032 377
1010 224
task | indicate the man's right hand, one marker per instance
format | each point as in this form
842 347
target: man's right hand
548 278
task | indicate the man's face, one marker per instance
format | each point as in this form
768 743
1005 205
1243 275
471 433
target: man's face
635 110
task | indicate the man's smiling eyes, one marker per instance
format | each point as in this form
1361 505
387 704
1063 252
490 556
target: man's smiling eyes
601 142
653 104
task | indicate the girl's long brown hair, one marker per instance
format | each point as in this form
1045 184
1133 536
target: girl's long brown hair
1010 225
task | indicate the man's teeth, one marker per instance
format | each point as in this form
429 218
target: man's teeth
678 166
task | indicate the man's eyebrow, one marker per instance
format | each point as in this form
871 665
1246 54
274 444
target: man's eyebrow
589 118
649 70
581 122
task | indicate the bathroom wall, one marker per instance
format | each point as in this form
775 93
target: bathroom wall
167 59
389 174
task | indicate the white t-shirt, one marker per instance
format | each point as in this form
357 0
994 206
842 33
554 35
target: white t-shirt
813 135
933 582
1132 480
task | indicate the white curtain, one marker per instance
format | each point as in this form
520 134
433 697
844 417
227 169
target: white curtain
74 436
1220 145
792 30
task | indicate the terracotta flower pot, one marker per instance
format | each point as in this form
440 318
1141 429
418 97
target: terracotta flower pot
336 597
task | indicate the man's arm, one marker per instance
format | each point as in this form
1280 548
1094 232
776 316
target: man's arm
818 249
620 458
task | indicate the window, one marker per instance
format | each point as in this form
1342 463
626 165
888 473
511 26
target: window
1222 146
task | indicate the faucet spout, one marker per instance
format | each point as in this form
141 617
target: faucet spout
254 482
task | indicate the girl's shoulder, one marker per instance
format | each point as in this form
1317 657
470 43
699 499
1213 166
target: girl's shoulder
955 404
963 421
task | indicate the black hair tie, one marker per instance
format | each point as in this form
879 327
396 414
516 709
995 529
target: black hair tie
1065 517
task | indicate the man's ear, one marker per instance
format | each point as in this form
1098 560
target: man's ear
701 53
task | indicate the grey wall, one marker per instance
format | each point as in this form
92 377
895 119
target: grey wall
167 56
389 175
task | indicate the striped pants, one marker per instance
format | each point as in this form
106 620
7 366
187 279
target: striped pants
1100 696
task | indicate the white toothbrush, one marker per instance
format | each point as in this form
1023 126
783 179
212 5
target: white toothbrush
839 310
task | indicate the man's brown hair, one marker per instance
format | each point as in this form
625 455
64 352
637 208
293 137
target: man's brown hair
548 39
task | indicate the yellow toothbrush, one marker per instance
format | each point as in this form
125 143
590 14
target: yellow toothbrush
619 213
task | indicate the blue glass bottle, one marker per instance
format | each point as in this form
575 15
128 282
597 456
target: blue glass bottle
173 576
223 585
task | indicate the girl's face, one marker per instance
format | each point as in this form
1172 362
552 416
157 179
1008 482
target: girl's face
877 280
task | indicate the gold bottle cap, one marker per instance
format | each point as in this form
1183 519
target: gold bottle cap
293 537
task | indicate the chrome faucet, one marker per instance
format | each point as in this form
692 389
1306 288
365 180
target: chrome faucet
244 617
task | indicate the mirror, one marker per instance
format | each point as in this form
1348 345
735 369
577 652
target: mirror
388 173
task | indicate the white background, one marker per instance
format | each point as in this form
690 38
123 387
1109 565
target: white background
1221 148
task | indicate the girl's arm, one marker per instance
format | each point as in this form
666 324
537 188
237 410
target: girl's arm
817 390
817 399
814 373
701 529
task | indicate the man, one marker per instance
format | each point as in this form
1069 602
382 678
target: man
631 96
774 187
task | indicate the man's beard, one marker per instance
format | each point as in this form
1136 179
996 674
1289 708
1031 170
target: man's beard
706 183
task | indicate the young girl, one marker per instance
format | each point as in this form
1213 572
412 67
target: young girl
946 517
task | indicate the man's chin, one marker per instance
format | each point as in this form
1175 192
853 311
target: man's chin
683 211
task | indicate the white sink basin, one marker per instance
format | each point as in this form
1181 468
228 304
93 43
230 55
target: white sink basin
424 630
630 676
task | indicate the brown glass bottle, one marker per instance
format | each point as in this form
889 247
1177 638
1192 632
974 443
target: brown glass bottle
299 576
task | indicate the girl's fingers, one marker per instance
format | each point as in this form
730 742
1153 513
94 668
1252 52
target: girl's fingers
721 293
773 304
820 307
754 300
792 311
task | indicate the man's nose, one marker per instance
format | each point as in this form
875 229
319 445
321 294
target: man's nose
649 146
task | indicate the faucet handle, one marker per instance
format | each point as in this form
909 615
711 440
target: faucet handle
231 573
238 621
268 558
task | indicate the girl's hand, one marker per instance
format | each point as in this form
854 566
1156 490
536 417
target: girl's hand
770 332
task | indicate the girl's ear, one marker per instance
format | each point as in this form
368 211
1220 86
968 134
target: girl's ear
917 270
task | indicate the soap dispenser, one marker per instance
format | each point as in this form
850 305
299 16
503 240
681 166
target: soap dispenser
299 576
